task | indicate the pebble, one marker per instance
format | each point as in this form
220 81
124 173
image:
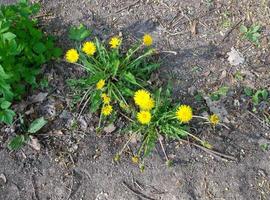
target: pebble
3 179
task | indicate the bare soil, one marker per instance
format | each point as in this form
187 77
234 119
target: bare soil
193 38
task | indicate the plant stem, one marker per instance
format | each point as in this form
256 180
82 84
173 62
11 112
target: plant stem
163 149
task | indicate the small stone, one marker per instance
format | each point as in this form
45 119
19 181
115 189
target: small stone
3 179
83 124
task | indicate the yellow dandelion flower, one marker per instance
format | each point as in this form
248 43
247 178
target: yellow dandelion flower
115 42
89 48
149 104
135 159
184 113
144 117
143 99
106 110
105 98
100 84
72 56
147 40
214 119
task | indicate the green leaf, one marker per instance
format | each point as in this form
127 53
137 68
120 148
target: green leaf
8 36
255 28
39 48
259 94
16 142
6 116
36 125
5 105
95 101
150 142
129 77
78 33
248 91
115 66
127 92
57 52
243 29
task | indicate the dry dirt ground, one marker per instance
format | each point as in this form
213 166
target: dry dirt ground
193 38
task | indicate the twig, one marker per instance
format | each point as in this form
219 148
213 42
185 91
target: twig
70 189
136 192
162 147
84 105
121 9
126 117
212 152
259 119
84 96
172 52
231 30
34 187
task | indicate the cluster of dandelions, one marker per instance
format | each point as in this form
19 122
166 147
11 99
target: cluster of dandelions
144 101
90 48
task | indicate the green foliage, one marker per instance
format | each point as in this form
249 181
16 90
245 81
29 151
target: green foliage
163 124
123 72
252 33
260 95
265 146
23 49
79 33
19 140
257 95
36 125
215 96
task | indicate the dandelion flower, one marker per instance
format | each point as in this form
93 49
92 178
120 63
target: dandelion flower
143 99
184 113
135 159
100 84
115 42
214 119
144 117
105 98
147 40
149 104
89 48
106 110
72 56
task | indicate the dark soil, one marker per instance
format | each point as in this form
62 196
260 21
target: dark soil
193 38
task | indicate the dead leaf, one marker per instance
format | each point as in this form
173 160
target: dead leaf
223 75
110 128
30 111
235 57
193 27
40 97
34 143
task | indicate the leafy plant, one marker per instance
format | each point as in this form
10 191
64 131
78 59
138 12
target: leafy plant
265 147
78 33
19 140
222 91
251 33
257 95
161 120
23 49
111 73
260 95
